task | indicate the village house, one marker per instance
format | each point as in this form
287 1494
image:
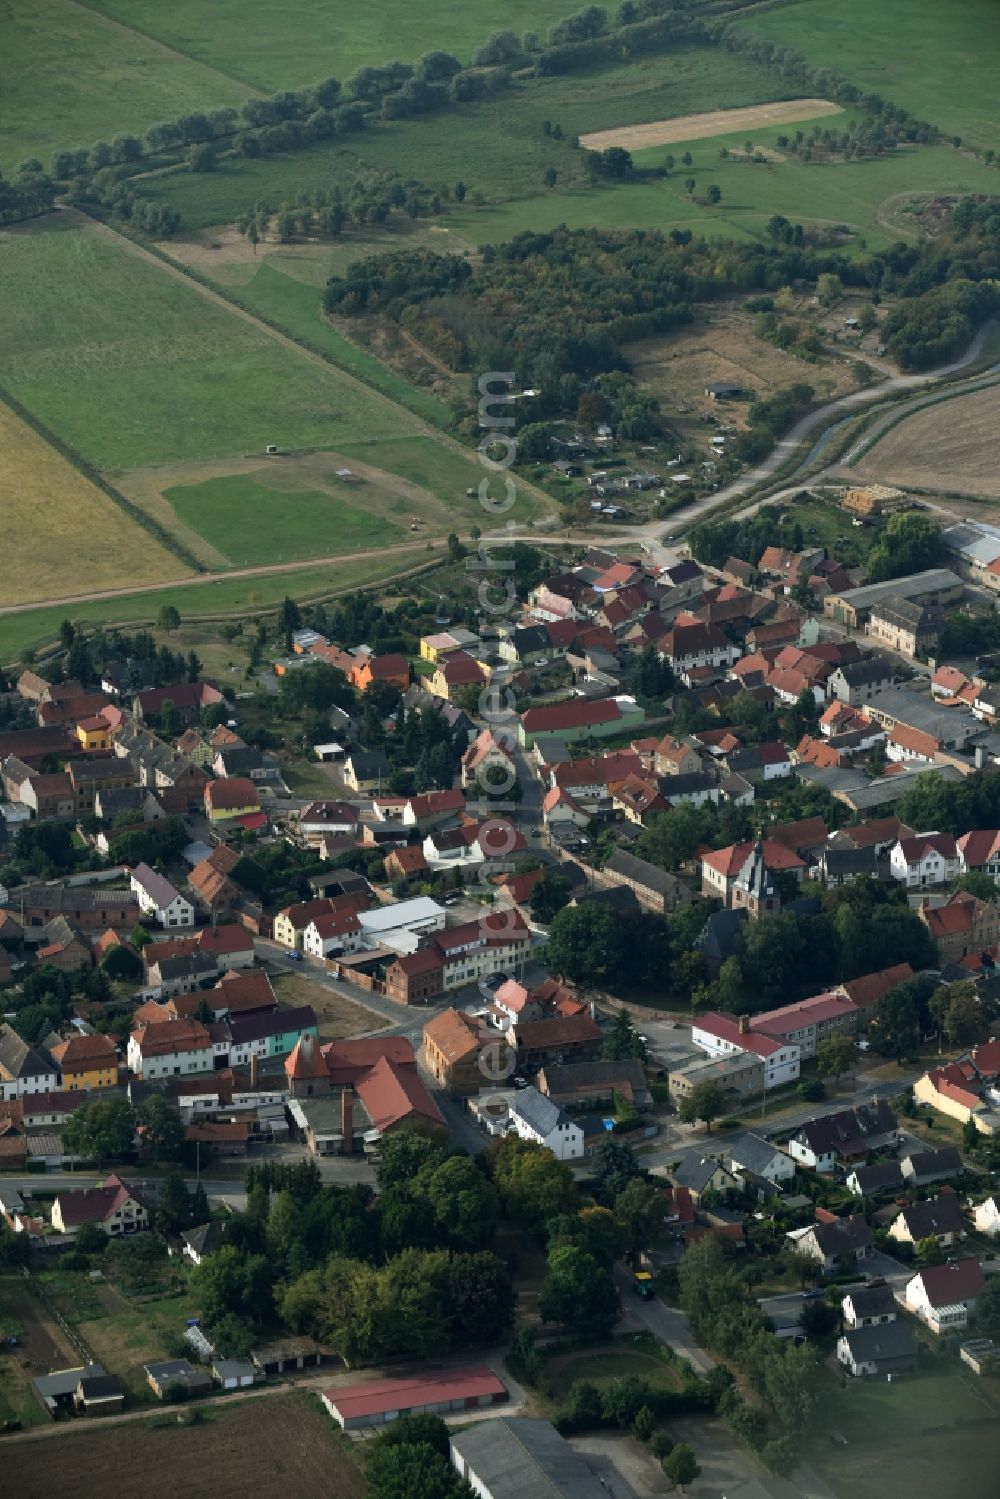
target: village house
537 1119
170 1049
489 762
158 898
391 670
809 1022
235 798
908 627
88 1062
24 1069
599 1081
944 1296
846 1240
755 1157
328 819
962 926
365 770
116 1207
454 672
331 934
722 1035
955 1091
845 1136
925 859
980 851
453 1044
939 1218
868 1306
878 1350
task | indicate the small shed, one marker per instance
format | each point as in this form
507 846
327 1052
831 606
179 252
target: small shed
98 1395
234 1373
176 1371
721 391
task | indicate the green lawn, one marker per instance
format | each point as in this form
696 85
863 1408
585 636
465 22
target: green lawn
250 523
497 147
229 596
856 194
918 1428
296 306
447 474
299 41
938 60
133 368
69 77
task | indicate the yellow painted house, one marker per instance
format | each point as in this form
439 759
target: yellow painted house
89 1062
94 734
435 648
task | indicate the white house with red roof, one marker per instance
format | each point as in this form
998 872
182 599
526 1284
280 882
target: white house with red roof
722 1035
810 1021
720 868
944 1296
331 934
114 1206
980 850
925 859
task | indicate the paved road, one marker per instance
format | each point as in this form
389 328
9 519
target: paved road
667 1323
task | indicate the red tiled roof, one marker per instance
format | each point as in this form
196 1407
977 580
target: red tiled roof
914 848
867 990
576 714
391 1093
727 1028
415 1392
914 740
305 1060
959 1280
231 793
455 1035
729 861
85 1053
241 992
347 1060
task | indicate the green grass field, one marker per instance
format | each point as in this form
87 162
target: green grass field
251 523
302 40
868 196
134 368
498 148
296 306
917 1428
938 60
69 77
226 597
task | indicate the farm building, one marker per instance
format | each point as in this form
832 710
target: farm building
382 1400
519 1458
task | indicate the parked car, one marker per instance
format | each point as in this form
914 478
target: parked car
295 957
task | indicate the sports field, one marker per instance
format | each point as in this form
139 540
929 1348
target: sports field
938 60
132 367
69 77
58 527
249 522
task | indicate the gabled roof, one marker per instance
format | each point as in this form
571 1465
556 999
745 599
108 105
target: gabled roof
938 1215
391 1094
886 1340
232 793
455 1035
731 860
867 990
843 1235
305 1060
754 1153
871 1301
946 1285
84 1053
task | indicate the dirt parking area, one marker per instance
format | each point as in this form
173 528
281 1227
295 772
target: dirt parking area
338 1016
724 1463
625 1468
274 1448
713 122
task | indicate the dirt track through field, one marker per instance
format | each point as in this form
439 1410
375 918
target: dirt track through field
715 122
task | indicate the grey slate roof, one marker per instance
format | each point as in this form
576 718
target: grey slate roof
695 1171
18 1059
204 1238
872 1301
537 1111
519 1458
754 1154
927 1164
878 1178
642 872
889 1340
721 935
156 886
939 1215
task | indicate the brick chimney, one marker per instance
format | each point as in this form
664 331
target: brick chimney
254 1064
744 1024
347 1122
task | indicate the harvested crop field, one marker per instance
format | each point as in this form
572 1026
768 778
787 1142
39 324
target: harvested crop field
272 1446
59 528
715 122
950 447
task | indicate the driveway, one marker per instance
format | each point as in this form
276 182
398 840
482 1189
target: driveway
725 1463
667 1323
